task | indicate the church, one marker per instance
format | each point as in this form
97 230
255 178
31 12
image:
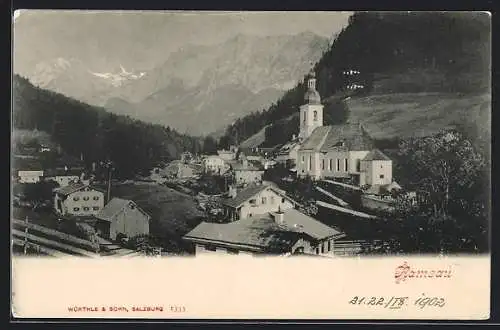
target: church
344 152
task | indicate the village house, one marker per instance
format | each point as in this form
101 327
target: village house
279 232
246 172
122 216
228 154
253 200
78 199
63 177
30 176
215 165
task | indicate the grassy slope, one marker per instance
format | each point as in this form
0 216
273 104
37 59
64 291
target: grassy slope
173 214
418 114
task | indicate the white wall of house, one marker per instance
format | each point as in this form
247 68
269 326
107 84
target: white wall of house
323 249
214 164
264 202
30 176
379 172
83 202
242 176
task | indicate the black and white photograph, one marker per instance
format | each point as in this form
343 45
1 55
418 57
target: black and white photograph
320 134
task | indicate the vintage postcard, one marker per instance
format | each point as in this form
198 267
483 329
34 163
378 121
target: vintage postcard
251 165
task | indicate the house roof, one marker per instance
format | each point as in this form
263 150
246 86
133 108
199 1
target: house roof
376 154
73 187
114 206
250 191
264 231
244 195
287 147
257 233
330 138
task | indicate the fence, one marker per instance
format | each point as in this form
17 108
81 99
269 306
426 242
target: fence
51 242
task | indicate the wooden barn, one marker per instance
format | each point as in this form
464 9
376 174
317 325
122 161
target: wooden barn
122 216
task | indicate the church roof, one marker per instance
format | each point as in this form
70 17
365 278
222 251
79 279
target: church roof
312 97
344 137
376 154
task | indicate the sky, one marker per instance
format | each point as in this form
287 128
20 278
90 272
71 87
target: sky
143 39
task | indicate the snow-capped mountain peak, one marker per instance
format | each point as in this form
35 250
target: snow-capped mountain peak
117 79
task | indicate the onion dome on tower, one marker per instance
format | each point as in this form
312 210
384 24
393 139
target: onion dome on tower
312 96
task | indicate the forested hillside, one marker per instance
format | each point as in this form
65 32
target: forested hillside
79 128
395 53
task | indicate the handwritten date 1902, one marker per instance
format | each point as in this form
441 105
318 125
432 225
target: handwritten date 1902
398 302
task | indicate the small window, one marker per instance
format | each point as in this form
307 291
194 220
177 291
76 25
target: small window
249 215
210 248
95 208
322 164
86 208
322 248
358 165
272 199
283 200
253 201
317 250
330 164
381 176
76 198
76 209
303 159
329 246
264 200
315 115
345 165
86 198
96 198
381 166
338 164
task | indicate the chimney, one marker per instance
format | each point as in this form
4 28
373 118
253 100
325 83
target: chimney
279 217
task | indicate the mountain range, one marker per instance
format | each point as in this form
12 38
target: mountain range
199 89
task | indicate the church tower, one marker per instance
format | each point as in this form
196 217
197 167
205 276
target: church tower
311 112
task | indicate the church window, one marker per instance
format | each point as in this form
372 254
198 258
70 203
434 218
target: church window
304 118
345 164
330 164
338 165
315 115
358 165
303 159
381 176
310 162
322 164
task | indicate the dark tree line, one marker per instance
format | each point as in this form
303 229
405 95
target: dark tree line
416 52
81 129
